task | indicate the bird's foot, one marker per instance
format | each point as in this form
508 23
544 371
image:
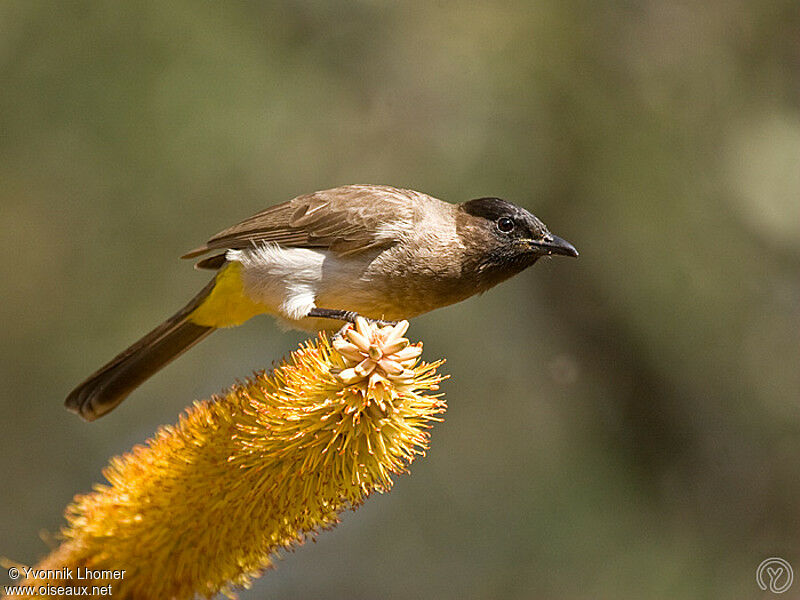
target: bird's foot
348 316
379 322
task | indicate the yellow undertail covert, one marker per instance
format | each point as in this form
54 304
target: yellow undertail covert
227 305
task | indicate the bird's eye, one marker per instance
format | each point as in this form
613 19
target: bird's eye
505 224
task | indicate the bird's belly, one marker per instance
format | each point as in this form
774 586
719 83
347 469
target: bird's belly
289 282
390 296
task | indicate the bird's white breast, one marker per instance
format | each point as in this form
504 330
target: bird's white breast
292 281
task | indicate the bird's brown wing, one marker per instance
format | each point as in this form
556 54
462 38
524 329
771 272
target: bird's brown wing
345 220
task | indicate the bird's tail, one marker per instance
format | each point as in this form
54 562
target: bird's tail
102 391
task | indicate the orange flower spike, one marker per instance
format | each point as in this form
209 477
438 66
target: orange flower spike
205 504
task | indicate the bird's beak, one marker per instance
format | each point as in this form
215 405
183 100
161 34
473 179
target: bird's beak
554 245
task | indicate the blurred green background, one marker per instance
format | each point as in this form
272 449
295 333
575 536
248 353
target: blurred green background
625 425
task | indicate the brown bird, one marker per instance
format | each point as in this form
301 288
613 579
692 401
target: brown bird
372 250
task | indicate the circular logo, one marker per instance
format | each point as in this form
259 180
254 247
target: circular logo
774 574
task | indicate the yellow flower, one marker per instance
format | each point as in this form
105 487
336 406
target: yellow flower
204 504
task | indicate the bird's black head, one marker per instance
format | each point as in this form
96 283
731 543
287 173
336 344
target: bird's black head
505 237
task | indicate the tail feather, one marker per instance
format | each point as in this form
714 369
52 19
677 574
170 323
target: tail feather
102 391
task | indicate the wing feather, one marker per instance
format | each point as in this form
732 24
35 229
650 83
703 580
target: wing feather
346 220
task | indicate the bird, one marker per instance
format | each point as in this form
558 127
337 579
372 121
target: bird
324 258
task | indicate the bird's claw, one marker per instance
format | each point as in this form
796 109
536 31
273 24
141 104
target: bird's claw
379 322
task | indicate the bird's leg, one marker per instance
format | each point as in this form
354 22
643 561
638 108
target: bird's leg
348 316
